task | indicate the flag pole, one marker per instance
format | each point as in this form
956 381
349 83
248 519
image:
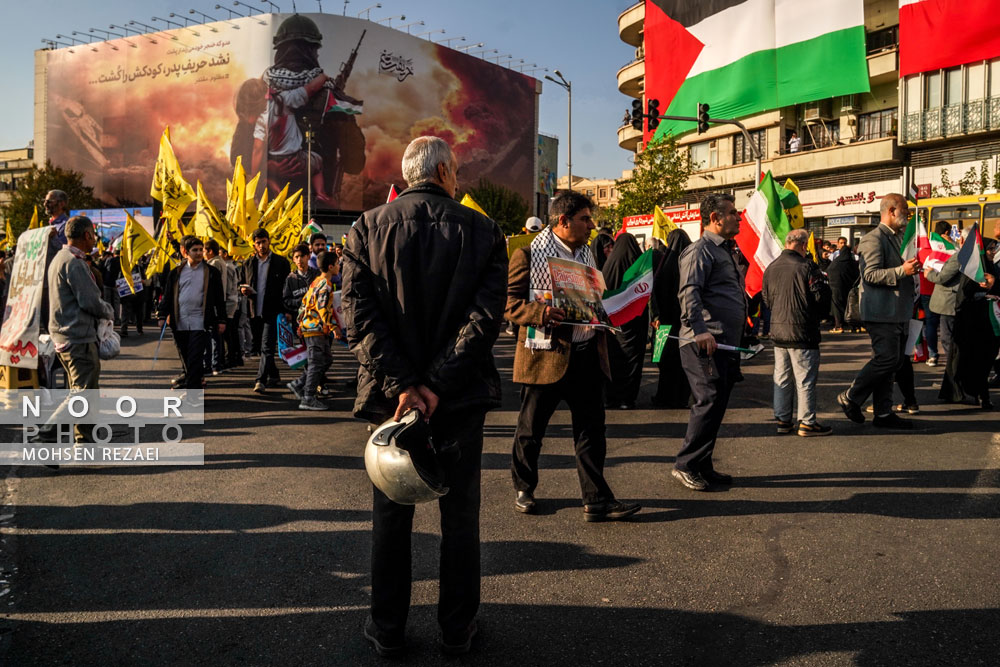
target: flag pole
156 353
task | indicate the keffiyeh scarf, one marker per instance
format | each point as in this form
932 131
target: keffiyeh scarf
544 246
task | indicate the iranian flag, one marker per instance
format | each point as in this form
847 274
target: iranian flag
629 300
763 229
935 34
914 238
747 56
970 257
939 250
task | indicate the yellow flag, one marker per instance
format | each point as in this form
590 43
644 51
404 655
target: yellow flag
162 257
270 214
236 205
100 246
34 224
168 185
811 247
250 205
471 203
136 242
207 223
8 239
795 215
288 231
662 224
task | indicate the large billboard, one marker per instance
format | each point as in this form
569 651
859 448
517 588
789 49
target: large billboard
317 97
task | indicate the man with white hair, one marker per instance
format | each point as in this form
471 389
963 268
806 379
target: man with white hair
799 296
425 282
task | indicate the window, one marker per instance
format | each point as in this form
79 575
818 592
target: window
604 193
912 93
877 125
953 86
975 82
590 193
882 40
741 149
613 193
705 155
995 78
954 214
932 90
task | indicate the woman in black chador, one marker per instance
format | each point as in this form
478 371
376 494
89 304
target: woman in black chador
672 390
625 349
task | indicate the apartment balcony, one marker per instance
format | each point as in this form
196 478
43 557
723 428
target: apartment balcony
631 78
629 137
856 155
630 23
954 120
883 67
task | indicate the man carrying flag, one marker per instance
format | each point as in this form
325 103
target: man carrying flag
713 311
887 289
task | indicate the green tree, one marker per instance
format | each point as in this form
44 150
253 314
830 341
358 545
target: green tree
31 193
507 208
607 216
660 172
984 177
968 183
945 189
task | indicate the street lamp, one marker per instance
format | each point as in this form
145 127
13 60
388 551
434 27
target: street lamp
407 25
470 46
231 12
367 11
429 32
185 19
250 7
401 17
195 11
476 53
447 42
138 32
275 9
562 82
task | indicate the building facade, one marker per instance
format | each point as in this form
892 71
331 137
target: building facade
937 130
14 165
604 191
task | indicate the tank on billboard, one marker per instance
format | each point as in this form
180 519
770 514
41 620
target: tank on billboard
329 99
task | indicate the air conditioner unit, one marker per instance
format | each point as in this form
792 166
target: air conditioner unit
849 104
816 111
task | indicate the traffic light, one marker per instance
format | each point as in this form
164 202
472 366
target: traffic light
702 117
653 113
637 114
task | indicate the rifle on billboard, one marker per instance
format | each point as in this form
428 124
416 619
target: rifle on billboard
347 67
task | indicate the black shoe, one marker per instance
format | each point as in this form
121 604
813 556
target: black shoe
613 510
274 382
693 481
525 502
259 388
383 645
715 477
809 430
850 408
784 427
893 421
460 643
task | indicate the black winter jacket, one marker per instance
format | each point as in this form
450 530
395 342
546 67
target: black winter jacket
425 285
213 299
799 297
277 270
296 286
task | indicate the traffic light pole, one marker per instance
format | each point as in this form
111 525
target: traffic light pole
746 136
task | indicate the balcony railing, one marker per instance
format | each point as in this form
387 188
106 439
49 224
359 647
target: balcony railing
952 120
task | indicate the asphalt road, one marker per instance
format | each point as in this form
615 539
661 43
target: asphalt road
863 548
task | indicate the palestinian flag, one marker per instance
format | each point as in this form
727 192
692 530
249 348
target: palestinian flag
747 56
628 301
939 250
928 31
970 257
341 105
763 229
392 193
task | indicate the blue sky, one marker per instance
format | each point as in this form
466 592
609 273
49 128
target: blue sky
577 37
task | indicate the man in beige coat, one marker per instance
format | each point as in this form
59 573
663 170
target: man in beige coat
557 363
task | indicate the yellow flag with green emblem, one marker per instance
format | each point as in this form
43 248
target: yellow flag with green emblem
169 186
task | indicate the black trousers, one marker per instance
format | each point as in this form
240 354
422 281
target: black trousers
875 378
392 525
234 352
191 346
711 379
266 331
580 387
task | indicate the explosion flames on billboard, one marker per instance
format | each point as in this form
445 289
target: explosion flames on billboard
260 86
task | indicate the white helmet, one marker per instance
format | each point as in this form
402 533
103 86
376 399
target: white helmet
533 224
402 463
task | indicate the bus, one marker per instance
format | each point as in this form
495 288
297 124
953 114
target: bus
960 212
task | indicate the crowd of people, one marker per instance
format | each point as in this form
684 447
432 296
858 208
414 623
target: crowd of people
426 289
